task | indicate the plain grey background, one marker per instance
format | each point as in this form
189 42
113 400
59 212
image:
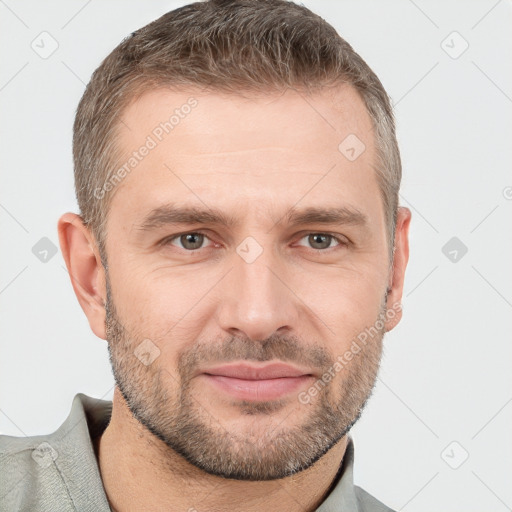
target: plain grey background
436 434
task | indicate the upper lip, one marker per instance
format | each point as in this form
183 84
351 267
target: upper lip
252 372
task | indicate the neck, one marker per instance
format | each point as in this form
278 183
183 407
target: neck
140 472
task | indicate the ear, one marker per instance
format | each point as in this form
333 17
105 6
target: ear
85 269
397 271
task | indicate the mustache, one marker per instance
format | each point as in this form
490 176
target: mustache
283 348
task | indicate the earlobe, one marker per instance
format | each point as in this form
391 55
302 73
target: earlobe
397 273
85 269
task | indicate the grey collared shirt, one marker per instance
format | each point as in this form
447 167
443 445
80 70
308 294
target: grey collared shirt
59 472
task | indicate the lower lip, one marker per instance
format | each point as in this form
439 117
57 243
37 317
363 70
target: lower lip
258 390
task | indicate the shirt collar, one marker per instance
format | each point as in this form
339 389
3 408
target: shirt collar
343 495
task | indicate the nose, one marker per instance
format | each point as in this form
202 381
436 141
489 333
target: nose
256 301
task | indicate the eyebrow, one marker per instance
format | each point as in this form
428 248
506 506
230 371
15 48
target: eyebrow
173 214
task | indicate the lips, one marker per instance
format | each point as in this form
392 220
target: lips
257 383
249 372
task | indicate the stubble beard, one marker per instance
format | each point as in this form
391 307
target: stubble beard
165 403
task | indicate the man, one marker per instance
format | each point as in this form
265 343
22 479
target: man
241 248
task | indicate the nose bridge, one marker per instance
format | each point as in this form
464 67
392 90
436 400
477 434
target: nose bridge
257 303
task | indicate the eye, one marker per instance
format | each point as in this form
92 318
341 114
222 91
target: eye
187 241
322 241
194 241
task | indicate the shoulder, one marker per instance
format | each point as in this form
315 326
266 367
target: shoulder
47 472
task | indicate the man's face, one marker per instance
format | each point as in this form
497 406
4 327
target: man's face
219 331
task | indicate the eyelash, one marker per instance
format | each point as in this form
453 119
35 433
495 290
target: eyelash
341 242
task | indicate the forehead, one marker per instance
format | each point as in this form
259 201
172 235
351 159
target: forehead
246 155
289 119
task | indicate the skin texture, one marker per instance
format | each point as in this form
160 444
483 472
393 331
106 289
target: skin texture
174 438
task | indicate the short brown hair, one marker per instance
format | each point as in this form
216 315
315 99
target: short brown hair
229 46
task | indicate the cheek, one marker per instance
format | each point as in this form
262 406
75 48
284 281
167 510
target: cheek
346 302
168 306
356 282
174 306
